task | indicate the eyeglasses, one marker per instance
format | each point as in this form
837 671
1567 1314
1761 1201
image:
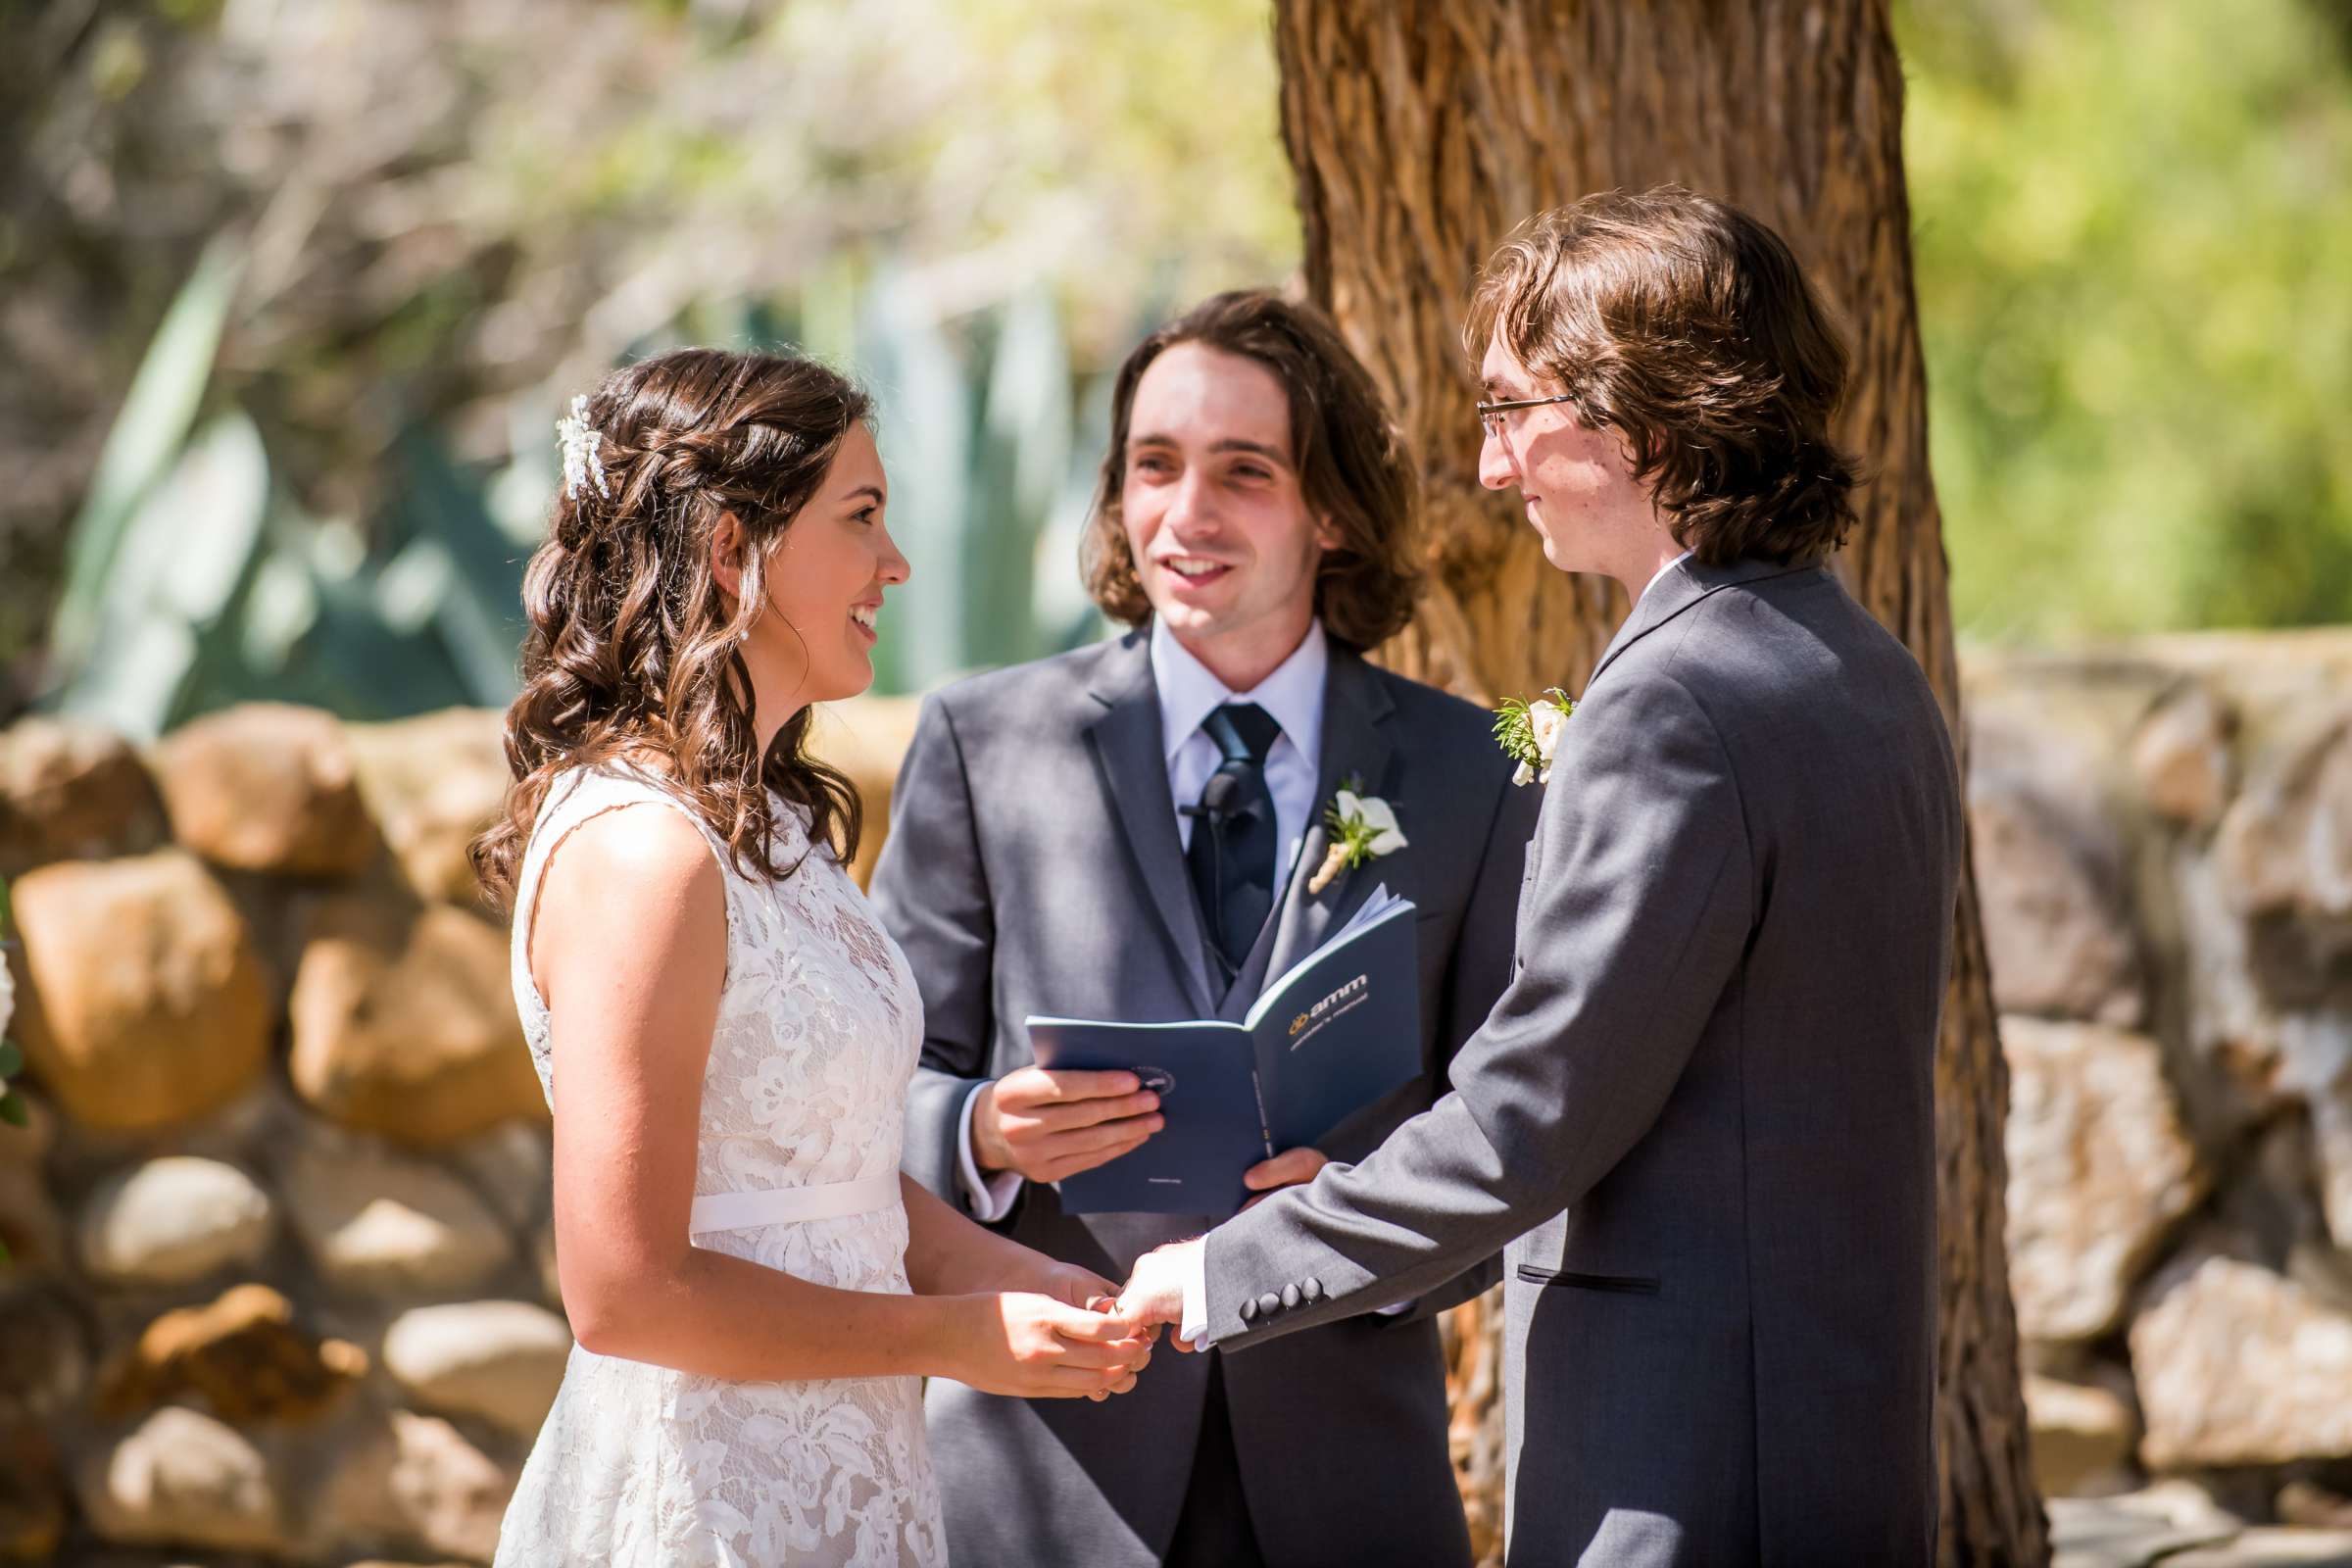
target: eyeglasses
1491 415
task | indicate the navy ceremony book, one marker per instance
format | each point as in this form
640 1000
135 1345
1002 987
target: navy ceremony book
1338 1031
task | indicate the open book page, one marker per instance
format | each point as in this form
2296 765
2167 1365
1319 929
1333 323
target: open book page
1381 905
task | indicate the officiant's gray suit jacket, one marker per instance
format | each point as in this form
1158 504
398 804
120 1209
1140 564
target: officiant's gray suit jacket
1705 1106
1034 867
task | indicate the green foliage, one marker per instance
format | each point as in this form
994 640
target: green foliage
194 580
2133 247
197 581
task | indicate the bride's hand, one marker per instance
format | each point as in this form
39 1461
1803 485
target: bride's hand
1066 1283
1034 1347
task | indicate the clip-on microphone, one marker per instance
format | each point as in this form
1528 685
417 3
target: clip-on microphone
1216 809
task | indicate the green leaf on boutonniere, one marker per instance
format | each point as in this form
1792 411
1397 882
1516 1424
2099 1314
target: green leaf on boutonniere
1529 732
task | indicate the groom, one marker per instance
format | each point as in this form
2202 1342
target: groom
1134 832
1705 1106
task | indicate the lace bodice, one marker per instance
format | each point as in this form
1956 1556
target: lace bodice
816 1038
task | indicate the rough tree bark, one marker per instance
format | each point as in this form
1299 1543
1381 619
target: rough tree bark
1420 131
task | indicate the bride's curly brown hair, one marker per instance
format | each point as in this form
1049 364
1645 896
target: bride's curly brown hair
632 652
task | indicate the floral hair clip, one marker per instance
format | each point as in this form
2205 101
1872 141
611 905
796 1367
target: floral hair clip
580 440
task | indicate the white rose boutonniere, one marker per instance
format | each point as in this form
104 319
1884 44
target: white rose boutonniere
1529 733
1363 827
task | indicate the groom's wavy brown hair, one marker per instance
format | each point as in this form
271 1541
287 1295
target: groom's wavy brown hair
1687 327
632 647
1353 468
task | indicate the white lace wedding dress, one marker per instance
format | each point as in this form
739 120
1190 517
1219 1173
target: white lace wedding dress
818 1028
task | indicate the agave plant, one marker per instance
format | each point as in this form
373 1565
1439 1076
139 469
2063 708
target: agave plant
195 579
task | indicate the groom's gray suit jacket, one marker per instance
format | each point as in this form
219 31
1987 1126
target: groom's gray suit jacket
1706 1101
1032 866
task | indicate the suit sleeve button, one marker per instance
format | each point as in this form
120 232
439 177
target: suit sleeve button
1289 1295
1269 1303
1311 1287
1248 1311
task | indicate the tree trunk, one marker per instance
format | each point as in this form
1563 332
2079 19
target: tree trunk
1420 131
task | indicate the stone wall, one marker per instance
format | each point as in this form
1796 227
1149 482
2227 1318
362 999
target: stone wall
284 1277
2164 839
282 1274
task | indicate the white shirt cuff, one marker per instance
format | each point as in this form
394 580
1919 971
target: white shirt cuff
1195 1327
988 1197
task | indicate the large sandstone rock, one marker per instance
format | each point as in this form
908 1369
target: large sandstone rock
404 1022
433 784
512 1166
244 1356
2100 1169
267 786
2287 844
376 1222
866 738
2270 1546
147 1004
2237 1365
2083 1436
501 1361
2056 932
2284 854
173 1220
2181 757
71 790
183 1479
2139 1529
2318 1063
2230 1027
412 1483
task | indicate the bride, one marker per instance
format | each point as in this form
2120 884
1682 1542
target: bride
723 1032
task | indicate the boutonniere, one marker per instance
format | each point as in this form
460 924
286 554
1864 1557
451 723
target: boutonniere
1529 733
1363 827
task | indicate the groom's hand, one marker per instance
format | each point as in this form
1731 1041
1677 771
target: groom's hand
1047 1124
1155 1291
1285 1169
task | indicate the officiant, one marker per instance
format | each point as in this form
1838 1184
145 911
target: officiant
1142 830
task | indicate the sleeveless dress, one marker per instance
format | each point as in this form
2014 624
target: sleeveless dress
797 1163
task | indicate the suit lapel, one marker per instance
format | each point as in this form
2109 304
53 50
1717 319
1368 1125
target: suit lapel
1355 740
1127 745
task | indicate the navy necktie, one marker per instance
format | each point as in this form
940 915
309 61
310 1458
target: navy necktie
1233 853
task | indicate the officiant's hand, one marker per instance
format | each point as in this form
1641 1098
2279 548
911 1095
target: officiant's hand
1047 1124
1285 1169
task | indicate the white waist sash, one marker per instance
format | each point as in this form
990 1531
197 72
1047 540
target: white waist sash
785 1205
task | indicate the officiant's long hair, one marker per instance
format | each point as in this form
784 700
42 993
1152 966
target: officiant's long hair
1353 467
632 652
